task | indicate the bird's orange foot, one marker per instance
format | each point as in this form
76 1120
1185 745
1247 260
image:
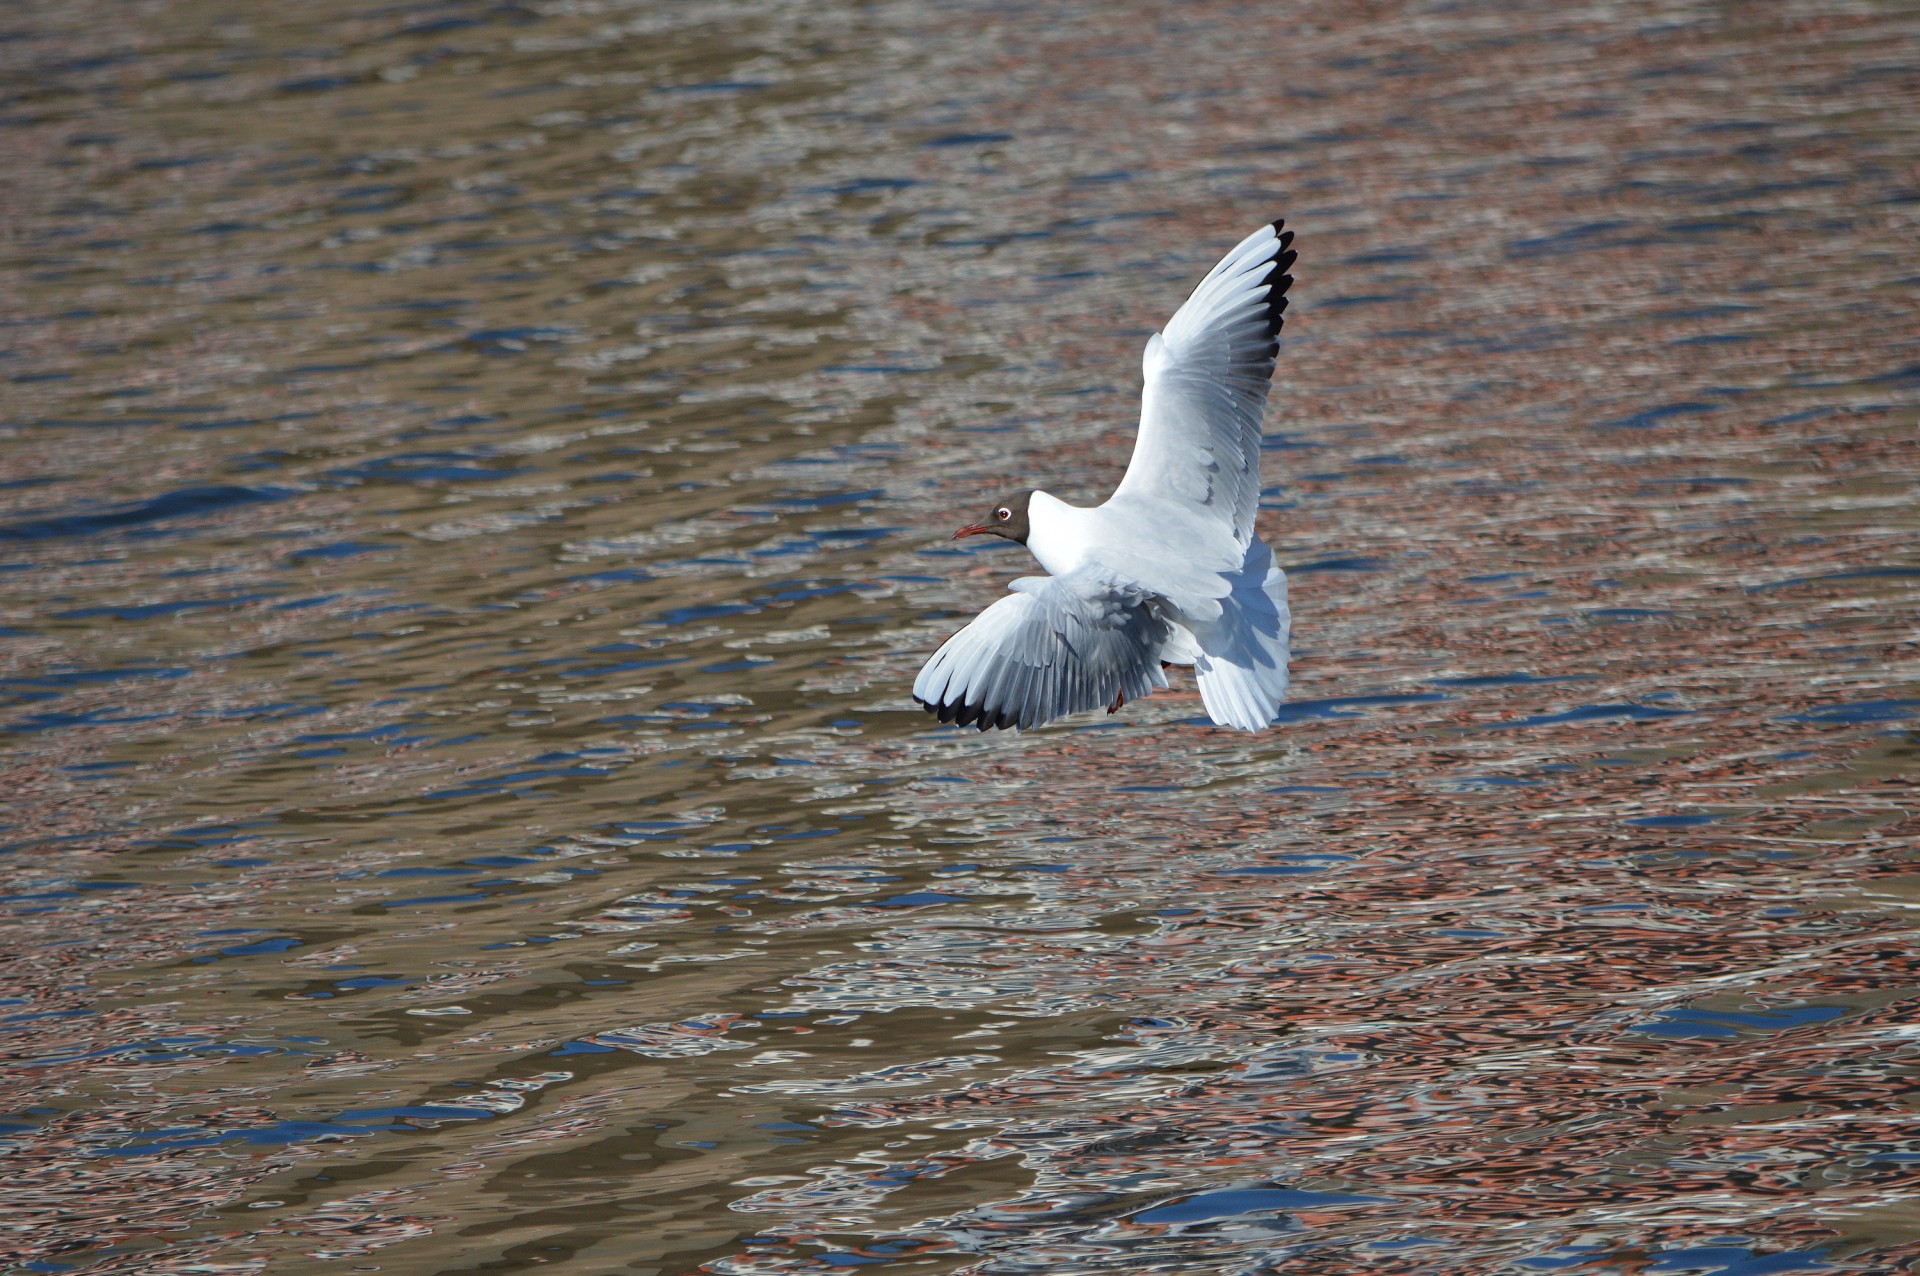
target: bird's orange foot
1119 698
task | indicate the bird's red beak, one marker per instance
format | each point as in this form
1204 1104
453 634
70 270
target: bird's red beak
973 529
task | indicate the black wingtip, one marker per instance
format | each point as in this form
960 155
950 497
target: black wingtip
1278 280
944 712
971 715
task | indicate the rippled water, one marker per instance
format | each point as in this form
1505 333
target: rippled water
476 481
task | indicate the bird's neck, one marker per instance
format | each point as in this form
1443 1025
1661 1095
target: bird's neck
1059 534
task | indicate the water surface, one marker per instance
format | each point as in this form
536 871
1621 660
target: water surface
476 482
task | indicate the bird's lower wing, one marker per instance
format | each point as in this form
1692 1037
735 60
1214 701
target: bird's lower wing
1055 645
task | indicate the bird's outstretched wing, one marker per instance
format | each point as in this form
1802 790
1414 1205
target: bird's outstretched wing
1055 645
1207 376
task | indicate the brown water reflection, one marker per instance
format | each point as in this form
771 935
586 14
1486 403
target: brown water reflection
475 479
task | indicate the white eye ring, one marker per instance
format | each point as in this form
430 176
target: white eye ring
1003 513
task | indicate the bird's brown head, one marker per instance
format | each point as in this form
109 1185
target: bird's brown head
1007 518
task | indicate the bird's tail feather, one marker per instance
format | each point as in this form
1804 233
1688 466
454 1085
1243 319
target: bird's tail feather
1242 665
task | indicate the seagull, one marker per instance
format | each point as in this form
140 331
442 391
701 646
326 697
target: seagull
1169 570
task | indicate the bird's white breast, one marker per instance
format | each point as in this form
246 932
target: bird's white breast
1059 535
1131 542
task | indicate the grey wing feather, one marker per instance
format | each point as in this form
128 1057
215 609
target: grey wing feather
1207 376
1055 645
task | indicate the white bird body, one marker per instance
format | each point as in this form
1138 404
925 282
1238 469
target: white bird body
1169 568
1064 536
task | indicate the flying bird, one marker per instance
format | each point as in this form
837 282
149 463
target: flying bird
1169 570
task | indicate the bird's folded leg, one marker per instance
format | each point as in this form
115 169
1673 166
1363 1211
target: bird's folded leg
1119 698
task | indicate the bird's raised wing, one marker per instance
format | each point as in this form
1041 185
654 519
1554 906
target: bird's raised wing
1207 376
1055 645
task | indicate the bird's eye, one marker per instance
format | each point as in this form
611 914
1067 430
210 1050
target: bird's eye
1003 513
